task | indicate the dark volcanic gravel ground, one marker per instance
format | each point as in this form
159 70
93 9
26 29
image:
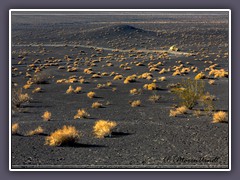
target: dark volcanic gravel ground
145 136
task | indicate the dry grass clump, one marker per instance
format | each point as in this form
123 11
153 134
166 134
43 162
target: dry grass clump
40 78
163 71
18 98
78 89
88 71
27 86
81 113
96 76
68 135
36 90
72 69
135 103
152 86
130 79
219 117
103 128
97 105
200 75
211 82
118 77
178 111
163 78
15 128
70 90
154 98
146 75
197 113
174 48
218 73
91 94
47 116
177 72
135 91
38 130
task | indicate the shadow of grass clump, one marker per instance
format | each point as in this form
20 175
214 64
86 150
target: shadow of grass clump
119 134
81 145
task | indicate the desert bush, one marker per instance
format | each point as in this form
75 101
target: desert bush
130 79
163 78
70 90
151 86
200 75
103 128
218 73
211 82
174 48
154 98
36 90
206 100
219 117
78 89
68 135
97 105
118 77
177 72
15 128
18 98
38 130
47 116
136 103
40 78
197 113
178 111
189 92
81 113
135 91
91 94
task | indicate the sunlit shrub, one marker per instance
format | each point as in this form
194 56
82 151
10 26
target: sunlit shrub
103 128
68 135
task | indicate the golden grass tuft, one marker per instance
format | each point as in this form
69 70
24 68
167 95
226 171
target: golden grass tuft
178 111
78 89
36 90
97 105
70 90
18 98
38 130
91 94
66 136
177 72
197 113
211 82
47 116
154 98
135 91
135 103
163 78
81 113
152 86
219 117
103 128
15 128
27 86
118 77
130 79
200 75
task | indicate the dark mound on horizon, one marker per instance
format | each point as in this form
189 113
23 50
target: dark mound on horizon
118 36
117 30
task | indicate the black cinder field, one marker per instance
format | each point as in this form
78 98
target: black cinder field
120 90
